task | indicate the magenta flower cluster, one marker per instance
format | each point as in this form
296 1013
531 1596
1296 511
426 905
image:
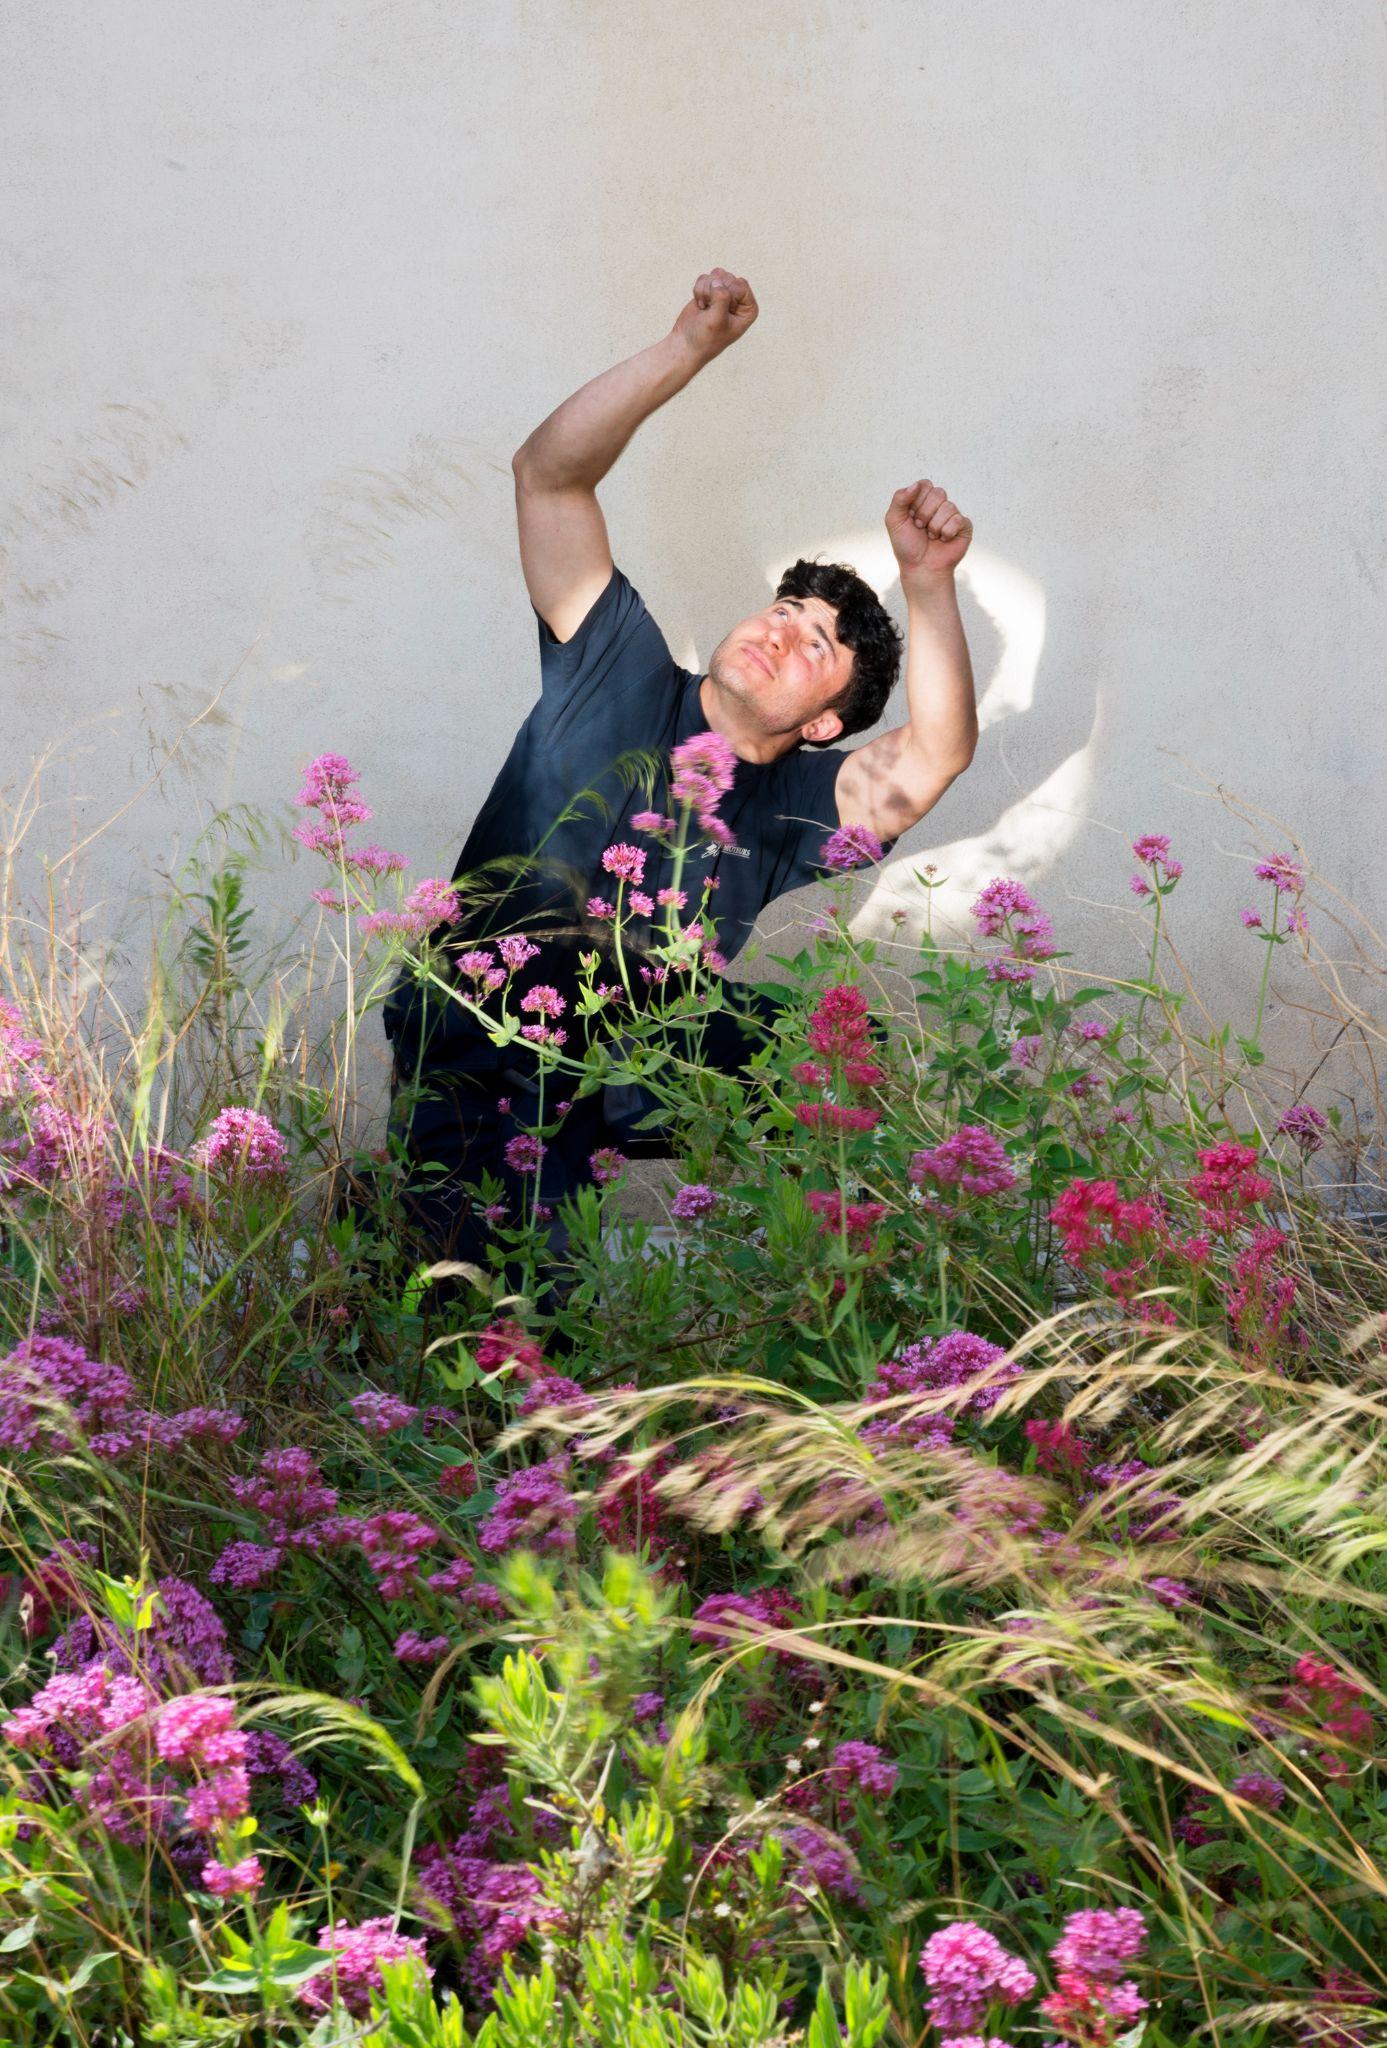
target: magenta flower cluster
329 790
971 1160
242 1141
1006 909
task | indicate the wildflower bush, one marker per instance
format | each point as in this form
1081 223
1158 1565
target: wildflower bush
937 1598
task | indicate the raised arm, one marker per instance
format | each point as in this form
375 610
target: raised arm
564 551
889 784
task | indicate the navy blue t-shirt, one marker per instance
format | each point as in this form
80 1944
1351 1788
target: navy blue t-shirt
534 854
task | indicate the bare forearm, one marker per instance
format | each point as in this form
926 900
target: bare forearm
578 443
939 675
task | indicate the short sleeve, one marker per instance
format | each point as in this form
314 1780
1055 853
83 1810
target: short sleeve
617 648
808 803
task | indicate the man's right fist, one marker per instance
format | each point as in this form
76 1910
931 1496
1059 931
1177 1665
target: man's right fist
722 308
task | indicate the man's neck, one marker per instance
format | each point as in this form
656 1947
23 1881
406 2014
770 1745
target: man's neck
721 715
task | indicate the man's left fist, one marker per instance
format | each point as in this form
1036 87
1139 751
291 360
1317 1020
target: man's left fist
928 532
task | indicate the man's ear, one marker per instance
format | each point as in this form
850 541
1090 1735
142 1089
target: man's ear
826 726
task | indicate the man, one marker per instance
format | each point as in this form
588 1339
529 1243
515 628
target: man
816 664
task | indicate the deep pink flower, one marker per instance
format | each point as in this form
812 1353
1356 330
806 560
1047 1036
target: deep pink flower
242 1141
359 1953
851 846
515 949
233 1880
607 1165
1252 919
1259 1788
693 1200
864 1766
651 821
1285 874
967 1970
971 1160
704 769
379 1413
524 1153
1151 847
1304 1123
625 861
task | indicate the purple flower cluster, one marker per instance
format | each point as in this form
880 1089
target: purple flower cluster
1152 849
242 1141
534 1507
693 1200
378 1414
863 1765
957 1359
1304 1124
1006 909
971 1160
40 1138
46 1374
851 846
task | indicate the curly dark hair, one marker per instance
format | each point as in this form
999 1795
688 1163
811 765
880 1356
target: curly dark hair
863 624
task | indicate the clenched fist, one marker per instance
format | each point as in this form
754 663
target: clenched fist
722 308
928 532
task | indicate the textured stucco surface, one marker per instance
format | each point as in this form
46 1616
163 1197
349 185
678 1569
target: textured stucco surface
284 286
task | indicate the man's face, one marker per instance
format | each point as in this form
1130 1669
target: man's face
782 667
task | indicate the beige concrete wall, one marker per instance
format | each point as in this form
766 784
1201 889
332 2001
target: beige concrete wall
285 285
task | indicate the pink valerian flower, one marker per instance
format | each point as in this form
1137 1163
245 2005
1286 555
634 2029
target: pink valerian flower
359 1953
242 1141
1027 1049
376 860
625 861
1340 2019
1057 1447
233 1880
859 1221
524 1153
1092 1997
459 1482
1173 1593
507 1343
546 1000
971 1160
741 1617
653 822
705 767
1252 919
412 1648
851 846
839 1031
1335 1702
1091 1217
1151 847
930 1366
967 1970
1303 1123
287 1492
822 1862
671 899
393 1544
1006 909
1298 921
535 1508
1286 876
974 2041
598 906
1228 1184
693 1200
431 902
607 1165
515 949
379 1413
1259 1788
642 905
199 1729
327 789
243 1567
861 1765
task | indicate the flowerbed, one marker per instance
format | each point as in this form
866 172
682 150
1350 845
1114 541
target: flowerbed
944 1603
